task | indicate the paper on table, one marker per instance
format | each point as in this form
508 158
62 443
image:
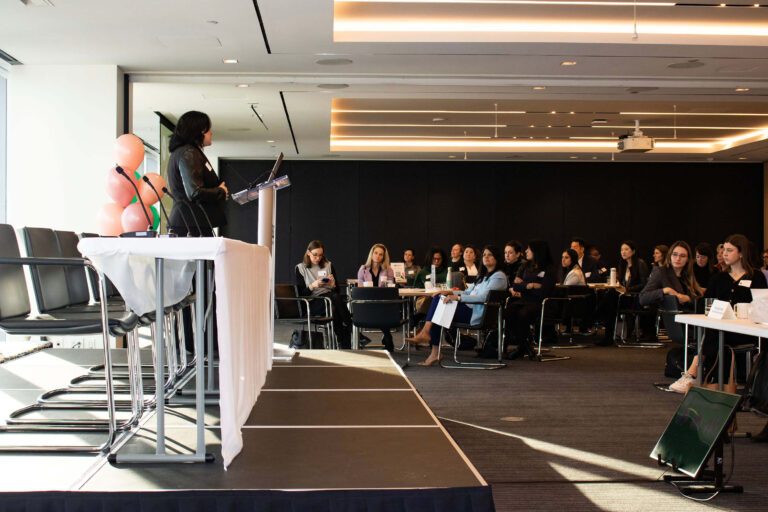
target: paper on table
444 313
721 310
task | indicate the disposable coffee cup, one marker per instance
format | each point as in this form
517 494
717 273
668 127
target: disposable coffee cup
742 310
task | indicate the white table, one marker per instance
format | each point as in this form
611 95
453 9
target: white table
739 326
242 273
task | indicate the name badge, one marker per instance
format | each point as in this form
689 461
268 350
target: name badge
587 274
410 272
208 166
541 274
745 282
322 273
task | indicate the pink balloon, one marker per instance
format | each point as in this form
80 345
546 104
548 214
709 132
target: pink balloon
145 191
109 219
129 152
133 218
119 189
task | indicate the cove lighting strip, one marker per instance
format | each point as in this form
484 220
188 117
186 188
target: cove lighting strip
495 144
628 3
354 111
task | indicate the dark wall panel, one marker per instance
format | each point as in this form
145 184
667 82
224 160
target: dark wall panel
351 205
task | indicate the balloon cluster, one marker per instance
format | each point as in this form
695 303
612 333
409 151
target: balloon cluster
126 213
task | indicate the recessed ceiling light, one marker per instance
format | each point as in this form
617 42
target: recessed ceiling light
270 141
742 158
532 126
546 138
438 119
567 126
742 89
574 157
451 156
212 22
332 86
242 85
553 112
549 126
539 88
568 63
594 158
333 62
229 61
571 112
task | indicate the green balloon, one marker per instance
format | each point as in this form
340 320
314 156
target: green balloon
155 218
134 200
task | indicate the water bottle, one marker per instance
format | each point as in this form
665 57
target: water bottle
434 276
448 280
612 278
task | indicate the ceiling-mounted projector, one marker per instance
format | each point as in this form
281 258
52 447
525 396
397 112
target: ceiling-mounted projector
637 142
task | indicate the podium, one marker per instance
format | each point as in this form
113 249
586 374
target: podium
265 193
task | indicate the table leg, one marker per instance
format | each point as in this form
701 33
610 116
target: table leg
720 340
160 350
700 367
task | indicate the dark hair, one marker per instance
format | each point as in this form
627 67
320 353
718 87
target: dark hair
542 258
705 249
314 244
409 249
580 241
622 270
517 246
574 263
498 255
744 246
432 251
686 276
190 129
478 255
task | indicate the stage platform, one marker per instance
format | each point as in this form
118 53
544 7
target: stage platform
330 431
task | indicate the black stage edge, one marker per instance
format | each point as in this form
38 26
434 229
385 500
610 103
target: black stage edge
469 499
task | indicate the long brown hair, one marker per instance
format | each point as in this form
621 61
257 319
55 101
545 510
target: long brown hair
314 244
686 276
744 246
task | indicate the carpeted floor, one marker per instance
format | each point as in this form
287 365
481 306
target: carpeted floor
577 433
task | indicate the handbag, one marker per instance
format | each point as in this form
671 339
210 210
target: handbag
757 386
300 339
729 386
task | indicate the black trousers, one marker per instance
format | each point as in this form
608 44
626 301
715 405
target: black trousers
342 319
520 316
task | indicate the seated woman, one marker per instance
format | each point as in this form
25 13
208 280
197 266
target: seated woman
659 255
632 276
675 277
316 277
435 256
469 268
470 308
378 272
719 266
411 269
704 266
570 271
534 282
513 258
733 284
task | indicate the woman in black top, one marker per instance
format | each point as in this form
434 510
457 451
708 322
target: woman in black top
191 179
513 259
674 278
632 277
534 282
470 268
733 284
659 255
704 267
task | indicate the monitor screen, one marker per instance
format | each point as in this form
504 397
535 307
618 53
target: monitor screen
691 434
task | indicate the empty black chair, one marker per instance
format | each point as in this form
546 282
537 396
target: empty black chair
492 320
376 308
291 308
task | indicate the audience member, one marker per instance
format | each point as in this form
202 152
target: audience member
435 256
470 308
674 278
595 253
719 265
316 277
533 283
378 272
733 284
469 269
659 255
570 272
457 251
704 267
632 276
513 258
411 269
587 264
764 266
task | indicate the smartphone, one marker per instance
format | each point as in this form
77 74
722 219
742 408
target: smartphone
325 279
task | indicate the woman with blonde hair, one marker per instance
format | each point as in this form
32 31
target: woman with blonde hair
378 272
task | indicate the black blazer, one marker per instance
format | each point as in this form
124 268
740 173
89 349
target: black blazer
592 273
191 177
722 287
661 277
638 278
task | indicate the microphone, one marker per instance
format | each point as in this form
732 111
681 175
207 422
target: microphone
185 203
207 219
120 171
162 208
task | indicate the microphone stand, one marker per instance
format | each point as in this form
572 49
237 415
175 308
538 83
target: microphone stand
185 203
162 208
207 219
149 232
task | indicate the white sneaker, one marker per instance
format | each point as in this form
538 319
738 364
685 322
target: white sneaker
682 384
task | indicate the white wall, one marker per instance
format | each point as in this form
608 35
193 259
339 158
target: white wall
62 124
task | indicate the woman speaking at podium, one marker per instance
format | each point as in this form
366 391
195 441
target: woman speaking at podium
198 193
